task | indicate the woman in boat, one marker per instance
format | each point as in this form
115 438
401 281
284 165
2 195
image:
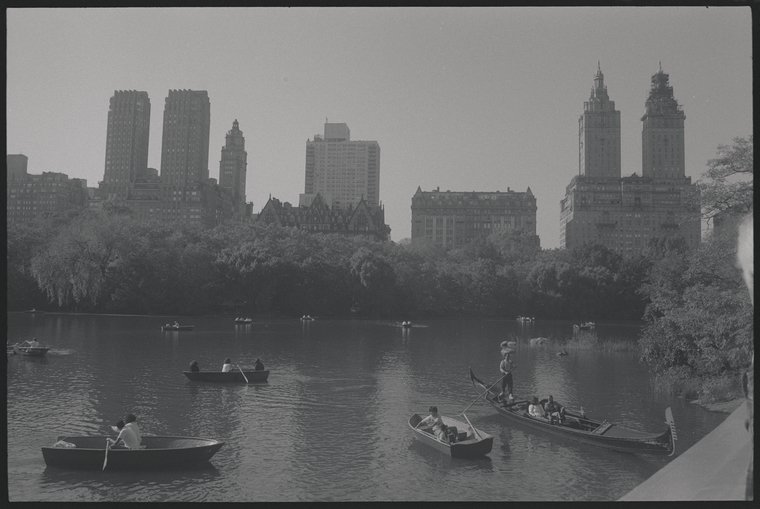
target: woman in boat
33 343
435 422
259 366
194 366
535 410
227 366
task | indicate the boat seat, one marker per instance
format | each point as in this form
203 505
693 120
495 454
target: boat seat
602 428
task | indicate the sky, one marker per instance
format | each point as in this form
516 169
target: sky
458 98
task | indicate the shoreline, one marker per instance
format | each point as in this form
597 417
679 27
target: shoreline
721 406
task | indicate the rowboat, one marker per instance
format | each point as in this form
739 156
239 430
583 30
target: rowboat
580 427
584 326
31 351
243 320
88 452
177 327
470 442
235 376
525 319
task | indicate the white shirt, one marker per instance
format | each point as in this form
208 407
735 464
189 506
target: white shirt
226 368
535 410
128 436
135 429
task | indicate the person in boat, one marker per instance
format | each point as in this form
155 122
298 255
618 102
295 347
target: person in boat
33 343
434 422
535 410
194 366
554 411
259 366
505 366
125 438
176 323
130 421
227 366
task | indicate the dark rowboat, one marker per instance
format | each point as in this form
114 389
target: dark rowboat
472 443
31 351
177 327
234 376
159 452
579 427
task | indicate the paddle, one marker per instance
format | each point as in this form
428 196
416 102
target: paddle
241 372
484 393
105 460
473 427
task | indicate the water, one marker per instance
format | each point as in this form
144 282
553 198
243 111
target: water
331 424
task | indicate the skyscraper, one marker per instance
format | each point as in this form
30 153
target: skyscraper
127 139
185 140
626 213
341 170
662 138
232 166
599 133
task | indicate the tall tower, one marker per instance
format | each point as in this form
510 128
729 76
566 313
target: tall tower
662 137
341 170
599 133
126 141
184 145
232 166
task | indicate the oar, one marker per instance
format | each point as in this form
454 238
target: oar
241 372
484 393
473 427
105 460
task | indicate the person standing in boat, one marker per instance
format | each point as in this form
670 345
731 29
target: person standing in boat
505 367
194 367
131 422
227 366
126 437
435 422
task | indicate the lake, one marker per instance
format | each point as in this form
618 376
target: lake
331 424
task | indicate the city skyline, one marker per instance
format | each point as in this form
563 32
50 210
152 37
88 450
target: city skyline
466 99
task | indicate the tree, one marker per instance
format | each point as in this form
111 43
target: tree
729 177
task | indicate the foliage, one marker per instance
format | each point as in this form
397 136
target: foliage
728 179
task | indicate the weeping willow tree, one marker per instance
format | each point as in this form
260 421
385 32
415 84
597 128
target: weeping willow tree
77 265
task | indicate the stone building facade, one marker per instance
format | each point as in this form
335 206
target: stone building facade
452 219
626 213
319 217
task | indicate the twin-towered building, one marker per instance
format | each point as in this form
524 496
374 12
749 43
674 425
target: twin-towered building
626 213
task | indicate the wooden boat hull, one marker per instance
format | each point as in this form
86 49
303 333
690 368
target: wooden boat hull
160 453
235 376
177 327
599 433
38 351
472 447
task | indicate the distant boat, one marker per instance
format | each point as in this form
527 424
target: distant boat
307 318
526 319
469 442
176 326
243 320
33 310
89 452
30 351
584 326
406 324
235 376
